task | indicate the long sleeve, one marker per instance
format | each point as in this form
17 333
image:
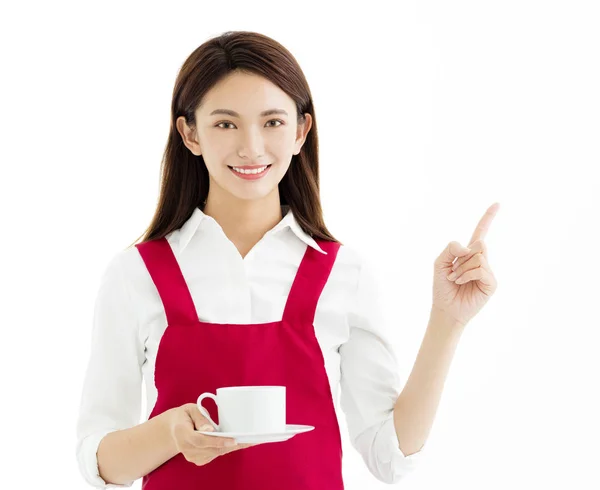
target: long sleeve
370 385
111 397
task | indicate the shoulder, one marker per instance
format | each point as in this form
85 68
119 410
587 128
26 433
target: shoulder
128 267
350 257
359 267
348 267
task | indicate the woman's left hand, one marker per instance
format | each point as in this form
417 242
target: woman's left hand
461 297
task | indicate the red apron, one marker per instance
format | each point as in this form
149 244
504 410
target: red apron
196 357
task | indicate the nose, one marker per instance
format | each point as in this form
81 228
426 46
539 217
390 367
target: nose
252 145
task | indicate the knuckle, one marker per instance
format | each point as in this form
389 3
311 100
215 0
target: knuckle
199 458
185 408
202 461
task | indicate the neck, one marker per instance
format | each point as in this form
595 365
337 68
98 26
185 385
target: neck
244 221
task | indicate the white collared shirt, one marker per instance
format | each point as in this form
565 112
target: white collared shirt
129 321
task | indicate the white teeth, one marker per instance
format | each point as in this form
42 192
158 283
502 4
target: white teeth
255 171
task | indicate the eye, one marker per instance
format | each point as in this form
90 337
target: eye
218 125
276 120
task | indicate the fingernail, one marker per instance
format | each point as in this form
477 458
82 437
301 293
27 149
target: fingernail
207 428
230 443
452 276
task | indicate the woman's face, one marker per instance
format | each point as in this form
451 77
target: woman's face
247 138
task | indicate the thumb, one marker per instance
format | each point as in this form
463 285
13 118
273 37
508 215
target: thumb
200 421
453 250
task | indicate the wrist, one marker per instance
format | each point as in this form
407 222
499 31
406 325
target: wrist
169 419
440 319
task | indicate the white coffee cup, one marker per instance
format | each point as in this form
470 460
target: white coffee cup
259 409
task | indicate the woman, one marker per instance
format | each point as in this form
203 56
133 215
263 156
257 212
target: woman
238 281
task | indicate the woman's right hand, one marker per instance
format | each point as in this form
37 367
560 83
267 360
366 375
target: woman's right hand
198 448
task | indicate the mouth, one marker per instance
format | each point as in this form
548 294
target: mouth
250 174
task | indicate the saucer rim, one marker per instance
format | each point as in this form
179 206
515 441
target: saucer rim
290 429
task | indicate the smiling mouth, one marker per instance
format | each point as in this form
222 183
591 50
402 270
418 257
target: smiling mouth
250 169
250 174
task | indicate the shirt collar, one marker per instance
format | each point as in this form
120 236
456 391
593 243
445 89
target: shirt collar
189 228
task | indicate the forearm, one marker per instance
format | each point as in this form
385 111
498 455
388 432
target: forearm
129 454
417 404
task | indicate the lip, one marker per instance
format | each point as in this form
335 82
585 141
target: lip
251 176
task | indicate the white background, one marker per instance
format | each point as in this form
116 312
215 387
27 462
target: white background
428 112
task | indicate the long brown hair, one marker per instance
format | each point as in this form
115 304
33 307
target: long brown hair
184 177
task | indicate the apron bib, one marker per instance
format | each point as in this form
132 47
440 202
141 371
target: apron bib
195 357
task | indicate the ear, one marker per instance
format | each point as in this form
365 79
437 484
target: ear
188 135
302 132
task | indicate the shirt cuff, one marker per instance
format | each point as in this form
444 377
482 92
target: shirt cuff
394 464
88 461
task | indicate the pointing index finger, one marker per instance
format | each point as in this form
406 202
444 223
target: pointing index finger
484 223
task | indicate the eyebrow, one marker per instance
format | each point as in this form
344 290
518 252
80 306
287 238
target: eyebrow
235 114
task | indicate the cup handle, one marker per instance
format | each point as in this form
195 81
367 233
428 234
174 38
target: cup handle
203 410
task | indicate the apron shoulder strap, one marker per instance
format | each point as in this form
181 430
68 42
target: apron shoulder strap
169 281
309 282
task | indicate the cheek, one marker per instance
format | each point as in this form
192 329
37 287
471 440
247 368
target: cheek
282 143
280 170
217 155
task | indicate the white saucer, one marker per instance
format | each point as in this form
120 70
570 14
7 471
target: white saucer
256 437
